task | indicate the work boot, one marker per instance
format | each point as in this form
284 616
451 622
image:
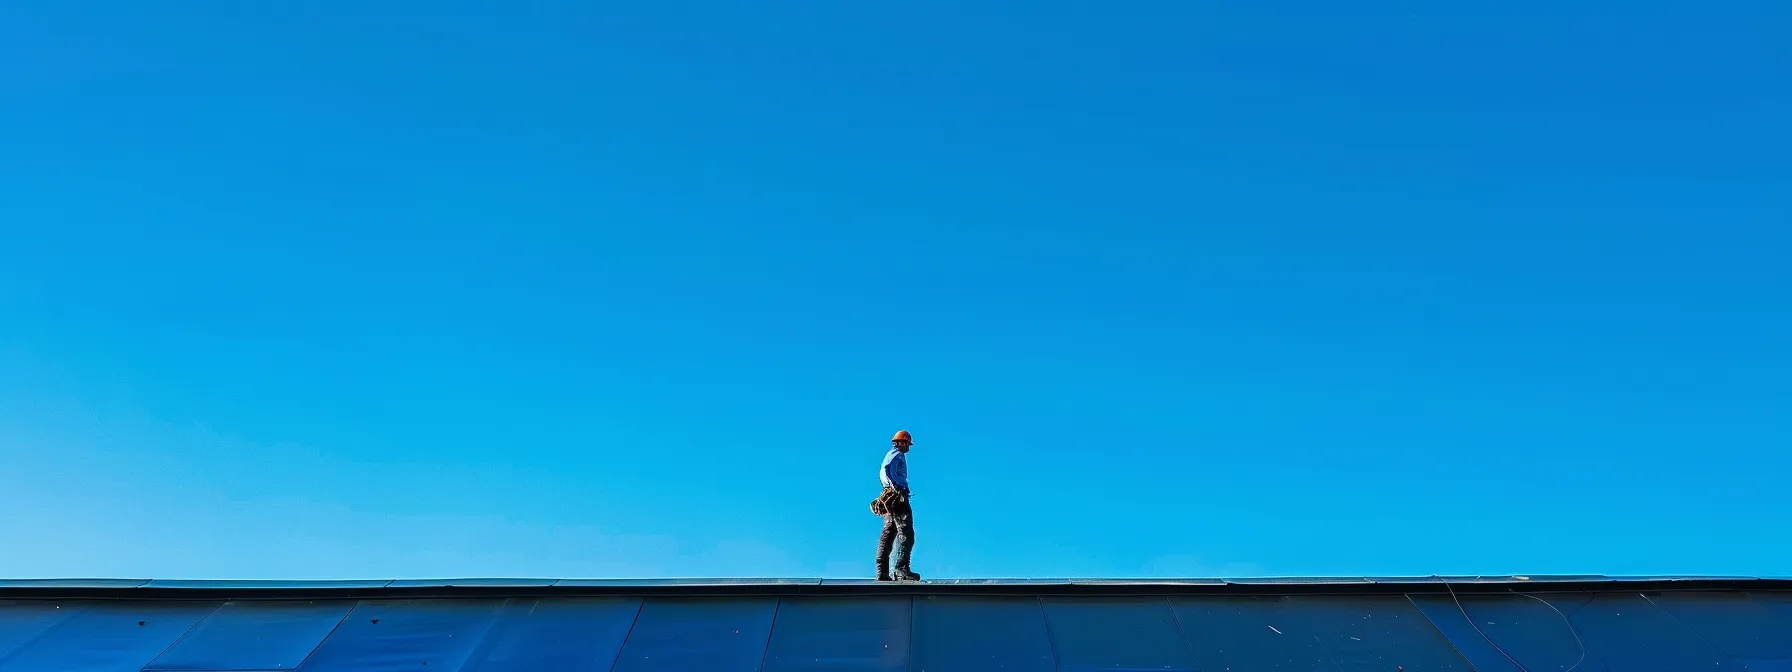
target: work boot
883 571
903 574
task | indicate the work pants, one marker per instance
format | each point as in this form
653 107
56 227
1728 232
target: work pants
901 530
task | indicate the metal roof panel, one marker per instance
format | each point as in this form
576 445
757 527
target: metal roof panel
470 583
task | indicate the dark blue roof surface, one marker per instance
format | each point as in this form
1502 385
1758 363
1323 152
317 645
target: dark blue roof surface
1361 626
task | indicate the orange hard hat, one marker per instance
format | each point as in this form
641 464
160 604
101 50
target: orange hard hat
902 435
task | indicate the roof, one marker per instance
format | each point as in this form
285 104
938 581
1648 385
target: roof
777 625
114 588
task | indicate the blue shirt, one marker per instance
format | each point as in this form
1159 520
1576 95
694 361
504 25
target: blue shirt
894 473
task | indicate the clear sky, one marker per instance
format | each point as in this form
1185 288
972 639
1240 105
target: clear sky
350 289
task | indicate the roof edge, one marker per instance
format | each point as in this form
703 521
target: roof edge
124 589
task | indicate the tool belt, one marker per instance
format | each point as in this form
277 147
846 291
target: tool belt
890 502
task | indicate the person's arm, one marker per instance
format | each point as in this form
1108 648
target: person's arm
899 473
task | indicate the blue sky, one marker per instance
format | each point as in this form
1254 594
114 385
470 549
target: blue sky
340 289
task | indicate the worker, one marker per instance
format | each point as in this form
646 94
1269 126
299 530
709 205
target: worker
899 517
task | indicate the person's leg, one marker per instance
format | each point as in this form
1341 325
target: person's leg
905 546
883 548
